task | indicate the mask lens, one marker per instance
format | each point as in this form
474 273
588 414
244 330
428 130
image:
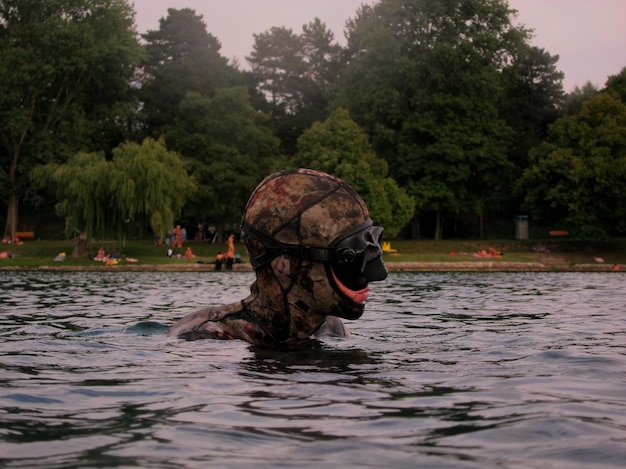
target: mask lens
359 258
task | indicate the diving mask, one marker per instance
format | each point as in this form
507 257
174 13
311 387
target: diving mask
357 256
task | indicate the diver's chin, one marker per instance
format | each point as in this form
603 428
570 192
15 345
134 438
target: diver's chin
357 296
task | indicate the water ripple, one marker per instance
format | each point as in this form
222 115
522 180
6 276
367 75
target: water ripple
443 370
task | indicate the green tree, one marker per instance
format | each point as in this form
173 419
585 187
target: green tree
531 99
277 62
573 102
293 72
182 57
98 197
321 53
65 68
578 174
424 80
339 147
82 186
229 148
617 84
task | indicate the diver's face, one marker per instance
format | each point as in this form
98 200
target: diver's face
358 262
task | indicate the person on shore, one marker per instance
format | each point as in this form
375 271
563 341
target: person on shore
101 255
230 253
219 260
211 234
170 238
314 250
178 234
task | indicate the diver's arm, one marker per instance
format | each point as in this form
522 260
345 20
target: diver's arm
202 324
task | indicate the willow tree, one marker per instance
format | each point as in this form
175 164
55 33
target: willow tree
82 186
97 197
149 180
339 146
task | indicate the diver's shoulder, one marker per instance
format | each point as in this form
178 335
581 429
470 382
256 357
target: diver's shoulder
332 327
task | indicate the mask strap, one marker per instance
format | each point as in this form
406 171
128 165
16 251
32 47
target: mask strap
348 234
274 248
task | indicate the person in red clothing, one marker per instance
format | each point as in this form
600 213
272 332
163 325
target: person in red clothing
314 250
178 233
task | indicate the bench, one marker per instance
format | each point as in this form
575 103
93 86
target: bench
558 233
25 234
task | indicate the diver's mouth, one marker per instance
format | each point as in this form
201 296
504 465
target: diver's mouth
358 296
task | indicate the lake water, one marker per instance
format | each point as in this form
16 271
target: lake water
450 370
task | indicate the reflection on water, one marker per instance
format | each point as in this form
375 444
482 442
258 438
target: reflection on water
443 370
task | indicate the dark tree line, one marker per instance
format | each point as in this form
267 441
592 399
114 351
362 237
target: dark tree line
441 113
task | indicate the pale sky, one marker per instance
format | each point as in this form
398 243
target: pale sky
588 35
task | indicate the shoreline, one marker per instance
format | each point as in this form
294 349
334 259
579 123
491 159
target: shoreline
391 266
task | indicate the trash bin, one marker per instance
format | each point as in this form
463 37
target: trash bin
521 227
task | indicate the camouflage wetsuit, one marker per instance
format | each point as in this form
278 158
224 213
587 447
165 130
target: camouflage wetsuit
314 250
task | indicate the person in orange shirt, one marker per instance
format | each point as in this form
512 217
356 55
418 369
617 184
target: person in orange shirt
219 260
230 253
493 252
188 254
101 256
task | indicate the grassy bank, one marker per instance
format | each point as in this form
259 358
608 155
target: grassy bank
42 253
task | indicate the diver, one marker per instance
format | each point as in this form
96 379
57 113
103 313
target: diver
314 250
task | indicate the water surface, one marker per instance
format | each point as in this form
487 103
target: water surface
443 370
